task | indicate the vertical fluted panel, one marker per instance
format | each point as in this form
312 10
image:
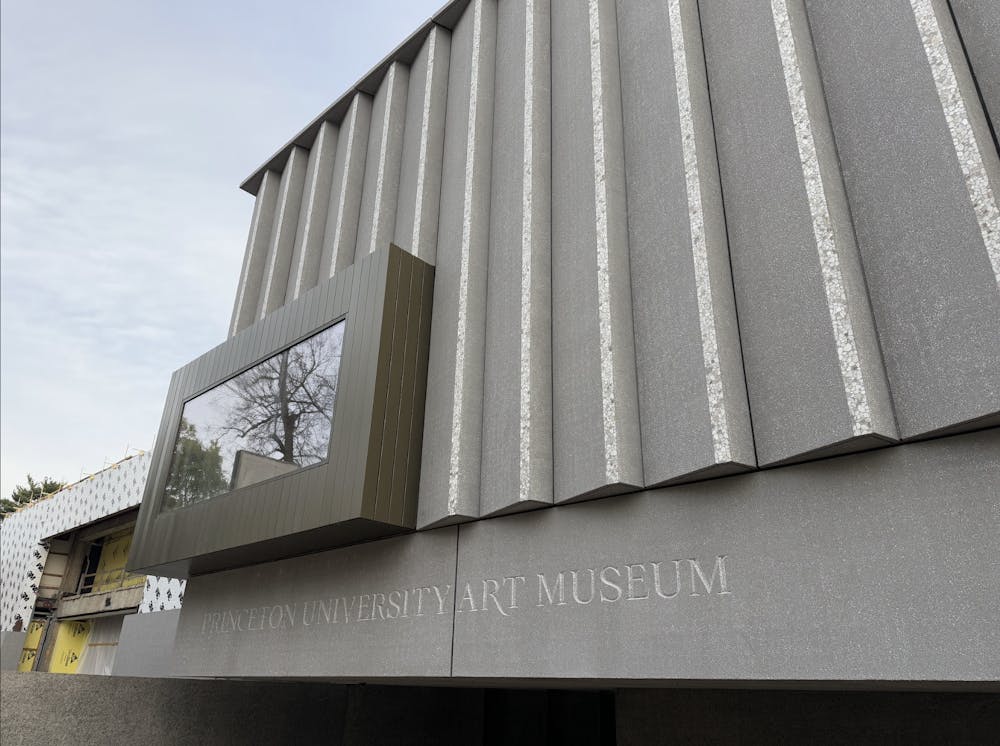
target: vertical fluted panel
449 478
652 219
517 416
423 142
692 394
814 373
922 174
312 215
286 219
255 256
595 411
979 24
385 148
341 230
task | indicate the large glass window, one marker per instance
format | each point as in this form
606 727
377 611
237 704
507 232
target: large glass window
267 421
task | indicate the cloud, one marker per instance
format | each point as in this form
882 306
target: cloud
125 130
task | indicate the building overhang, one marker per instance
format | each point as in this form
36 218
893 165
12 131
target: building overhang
366 486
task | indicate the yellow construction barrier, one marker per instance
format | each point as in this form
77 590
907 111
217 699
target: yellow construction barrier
71 640
31 644
110 572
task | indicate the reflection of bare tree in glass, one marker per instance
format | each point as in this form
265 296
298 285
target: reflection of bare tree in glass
283 407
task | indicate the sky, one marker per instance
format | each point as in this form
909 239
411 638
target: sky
125 131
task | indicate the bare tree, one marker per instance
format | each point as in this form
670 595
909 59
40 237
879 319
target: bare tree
284 406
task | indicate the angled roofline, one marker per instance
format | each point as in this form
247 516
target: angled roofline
406 52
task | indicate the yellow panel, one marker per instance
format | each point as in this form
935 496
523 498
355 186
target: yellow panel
31 643
71 639
111 566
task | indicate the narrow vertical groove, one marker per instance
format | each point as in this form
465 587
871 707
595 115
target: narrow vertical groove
425 119
390 80
463 279
706 314
342 201
611 454
822 224
527 217
962 136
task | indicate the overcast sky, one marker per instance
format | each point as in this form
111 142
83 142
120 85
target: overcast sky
126 129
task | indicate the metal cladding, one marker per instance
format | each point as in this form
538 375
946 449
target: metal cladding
361 484
673 240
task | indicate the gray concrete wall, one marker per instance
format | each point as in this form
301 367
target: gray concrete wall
100 602
11 644
870 567
146 644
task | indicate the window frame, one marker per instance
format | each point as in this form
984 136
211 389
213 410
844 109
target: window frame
362 491
188 400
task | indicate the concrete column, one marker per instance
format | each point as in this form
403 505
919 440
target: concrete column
517 419
423 144
385 148
813 366
692 394
596 440
286 219
922 174
453 419
255 256
313 212
341 230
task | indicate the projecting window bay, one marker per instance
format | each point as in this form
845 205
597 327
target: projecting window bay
269 420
